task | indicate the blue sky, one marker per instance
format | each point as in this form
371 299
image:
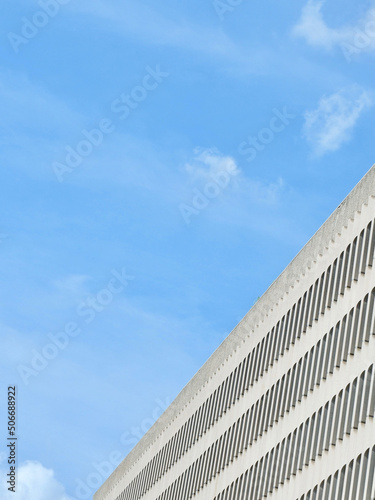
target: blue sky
162 163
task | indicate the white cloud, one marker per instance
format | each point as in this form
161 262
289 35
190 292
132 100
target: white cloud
313 28
35 482
208 162
331 124
352 38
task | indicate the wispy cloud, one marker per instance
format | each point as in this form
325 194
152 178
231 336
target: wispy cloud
153 26
352 38
33 123
209 162
30 107
149 25
214 177
313 28
331 124
35 482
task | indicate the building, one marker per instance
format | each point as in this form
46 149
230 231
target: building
284 409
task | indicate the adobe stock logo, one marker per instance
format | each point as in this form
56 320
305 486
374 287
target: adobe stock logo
32 26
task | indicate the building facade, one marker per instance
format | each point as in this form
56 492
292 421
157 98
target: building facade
284 409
